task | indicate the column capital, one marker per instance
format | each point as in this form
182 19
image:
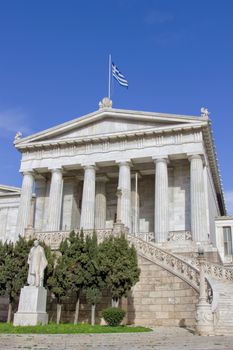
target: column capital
125 162
56 170
162 159
195 156
89 166
28 172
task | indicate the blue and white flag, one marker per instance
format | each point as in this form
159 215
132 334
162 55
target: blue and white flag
119 76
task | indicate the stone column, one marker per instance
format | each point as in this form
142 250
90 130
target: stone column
88 199
25 203
118 194
135 205
161 218
198 201
100 203
76 210
40 190
55 200
124 184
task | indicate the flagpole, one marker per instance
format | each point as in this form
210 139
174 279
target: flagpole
109 76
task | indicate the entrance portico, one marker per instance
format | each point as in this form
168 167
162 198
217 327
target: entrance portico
156 197
162 165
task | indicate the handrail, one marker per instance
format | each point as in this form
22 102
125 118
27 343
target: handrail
217 271
168 261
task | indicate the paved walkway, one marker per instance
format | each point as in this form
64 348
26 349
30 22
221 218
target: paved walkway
161 338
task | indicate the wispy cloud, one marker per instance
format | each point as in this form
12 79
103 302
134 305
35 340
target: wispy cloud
158 17
13 120
229 201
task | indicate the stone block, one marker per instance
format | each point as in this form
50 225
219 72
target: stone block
185 307
156 294
162 314
167 307
154 307
184 314
32 307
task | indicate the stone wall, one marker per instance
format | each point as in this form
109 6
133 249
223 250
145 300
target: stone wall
146 203
8 216
160 298
179 196
111 202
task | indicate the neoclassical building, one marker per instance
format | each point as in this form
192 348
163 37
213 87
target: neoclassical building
164 166
154 174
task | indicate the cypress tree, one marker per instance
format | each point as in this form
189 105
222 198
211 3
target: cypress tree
94 281
58 284
119 263
76 255
14 270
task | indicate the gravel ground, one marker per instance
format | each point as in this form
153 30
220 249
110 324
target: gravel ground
161 338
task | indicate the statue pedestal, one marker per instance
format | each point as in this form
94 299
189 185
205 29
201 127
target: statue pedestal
32 307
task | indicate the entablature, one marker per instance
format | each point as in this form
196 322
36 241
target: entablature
111 137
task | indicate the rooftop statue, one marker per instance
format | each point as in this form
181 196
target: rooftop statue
204 112
18 135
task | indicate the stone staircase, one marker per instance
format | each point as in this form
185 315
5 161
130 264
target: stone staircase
222 306
219 280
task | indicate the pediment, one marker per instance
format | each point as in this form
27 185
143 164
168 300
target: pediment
108 122
5 190
110 125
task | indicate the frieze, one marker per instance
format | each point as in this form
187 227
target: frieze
99 146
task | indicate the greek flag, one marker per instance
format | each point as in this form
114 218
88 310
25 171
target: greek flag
119 76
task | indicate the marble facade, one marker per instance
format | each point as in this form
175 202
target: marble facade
163 164
9 205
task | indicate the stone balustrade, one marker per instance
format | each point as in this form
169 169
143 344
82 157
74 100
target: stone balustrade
170 262
219 272
182 235
54 238
186 268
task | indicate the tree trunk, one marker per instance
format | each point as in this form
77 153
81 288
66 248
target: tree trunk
59 313
115 302
93 314
76 314
9 312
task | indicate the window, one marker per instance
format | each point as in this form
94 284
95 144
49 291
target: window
227 240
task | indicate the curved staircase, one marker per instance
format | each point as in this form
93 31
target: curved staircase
219 279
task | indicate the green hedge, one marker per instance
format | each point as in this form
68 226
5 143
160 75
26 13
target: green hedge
113 316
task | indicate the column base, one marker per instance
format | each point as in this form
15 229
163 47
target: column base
205 320
32 307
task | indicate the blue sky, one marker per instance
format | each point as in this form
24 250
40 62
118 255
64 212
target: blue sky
177 56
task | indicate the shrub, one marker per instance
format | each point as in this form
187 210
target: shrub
113 316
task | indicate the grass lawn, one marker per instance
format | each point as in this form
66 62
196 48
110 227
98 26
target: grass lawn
69 328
